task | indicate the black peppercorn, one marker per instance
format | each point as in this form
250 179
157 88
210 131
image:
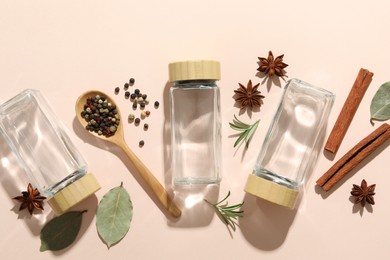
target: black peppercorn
133 96
142 105
136 91
144 96
126 86
146 126
117 90
132 80
156 104
137 120
141 143
127 94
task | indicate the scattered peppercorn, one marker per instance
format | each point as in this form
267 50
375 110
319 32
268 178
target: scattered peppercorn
135 105
143 114
126 86
142 104
144 96
117 90
146 126
147 112
137 120
156 104
133 96
141 143
136 91
131 117
132 80
127 94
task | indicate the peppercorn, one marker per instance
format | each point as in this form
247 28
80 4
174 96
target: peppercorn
137 121
133 96
132 80
156 104
147 112
141 143
146 126
127 94
136 91
143 114
142 104
144 96
135 105
126 86
131 117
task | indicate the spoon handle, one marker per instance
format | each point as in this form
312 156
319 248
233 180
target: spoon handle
161 194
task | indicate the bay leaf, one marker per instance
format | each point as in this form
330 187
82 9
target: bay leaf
380 103
61 231
114 215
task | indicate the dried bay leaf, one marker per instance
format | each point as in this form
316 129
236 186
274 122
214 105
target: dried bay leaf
380 103
61 231
114 215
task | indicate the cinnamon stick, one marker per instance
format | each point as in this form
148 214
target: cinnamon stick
348 110
354 156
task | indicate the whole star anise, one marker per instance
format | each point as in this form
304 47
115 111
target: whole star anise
364 193
272 66
30 199
248 96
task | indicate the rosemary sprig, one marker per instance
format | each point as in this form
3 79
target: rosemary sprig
227 214
246 129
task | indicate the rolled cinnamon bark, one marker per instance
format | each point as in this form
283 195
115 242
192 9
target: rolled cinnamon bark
354 156
348 111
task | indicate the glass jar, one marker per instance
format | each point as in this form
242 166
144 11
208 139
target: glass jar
44 150
286 154
195 122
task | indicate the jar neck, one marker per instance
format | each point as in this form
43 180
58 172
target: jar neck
195 82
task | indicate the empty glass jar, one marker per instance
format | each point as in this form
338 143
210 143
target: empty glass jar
285 157
195 122
44 150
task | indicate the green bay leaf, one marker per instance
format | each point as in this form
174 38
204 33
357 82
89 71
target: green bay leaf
380 103
114 215
61 231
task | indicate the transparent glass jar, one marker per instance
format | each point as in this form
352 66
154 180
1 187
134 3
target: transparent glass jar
44 150
195 122
286 154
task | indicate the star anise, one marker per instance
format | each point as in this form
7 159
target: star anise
30 199
364 193
272 66
248 96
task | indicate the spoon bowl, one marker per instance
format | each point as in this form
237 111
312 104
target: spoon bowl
118 139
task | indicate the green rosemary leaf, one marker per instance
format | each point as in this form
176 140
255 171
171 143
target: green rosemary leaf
246 129
244 125
240 138
227 196
227 214
251 131
236 127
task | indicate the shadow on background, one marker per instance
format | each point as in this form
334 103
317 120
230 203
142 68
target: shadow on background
265 225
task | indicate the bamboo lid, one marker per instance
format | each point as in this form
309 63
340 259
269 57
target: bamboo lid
194 69
271 191
73 194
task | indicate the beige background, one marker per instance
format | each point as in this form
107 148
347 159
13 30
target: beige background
64 48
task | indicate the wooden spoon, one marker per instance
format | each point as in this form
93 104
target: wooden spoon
119 140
